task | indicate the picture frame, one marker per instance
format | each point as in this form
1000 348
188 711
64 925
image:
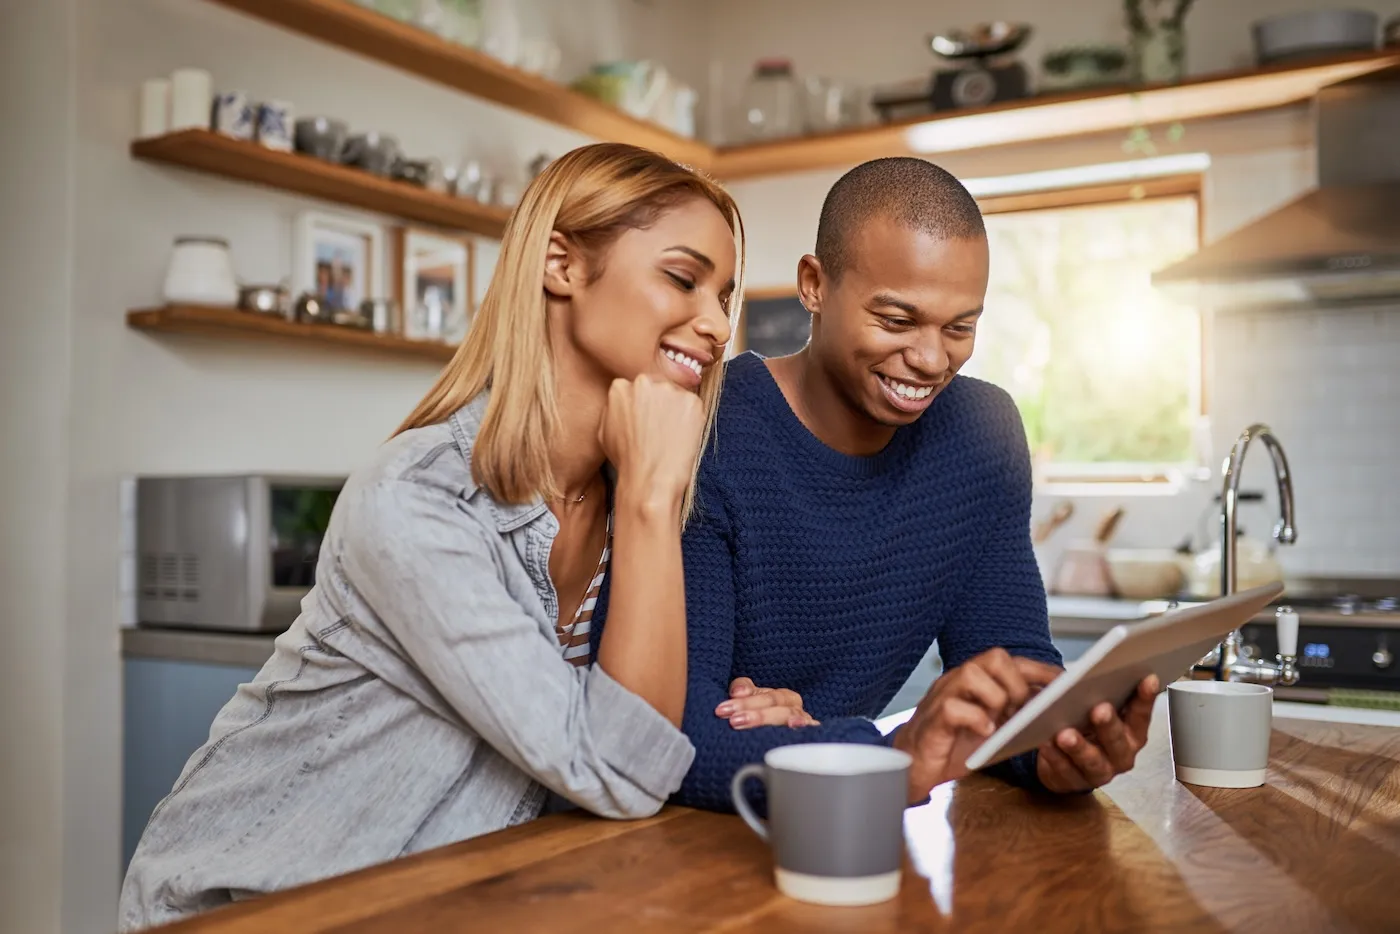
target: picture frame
338 259
435 284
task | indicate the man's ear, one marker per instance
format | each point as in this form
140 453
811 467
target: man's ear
809 283
562 269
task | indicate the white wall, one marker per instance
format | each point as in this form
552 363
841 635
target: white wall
36 202
89 402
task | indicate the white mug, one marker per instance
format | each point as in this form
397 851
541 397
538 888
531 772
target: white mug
201 273
191 99
155 108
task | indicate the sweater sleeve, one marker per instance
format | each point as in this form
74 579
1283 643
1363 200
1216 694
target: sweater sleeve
1003 597
720 750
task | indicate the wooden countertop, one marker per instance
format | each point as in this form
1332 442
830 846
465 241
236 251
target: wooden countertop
1316 849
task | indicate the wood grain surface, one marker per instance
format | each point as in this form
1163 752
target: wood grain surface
227 323
1316 849
296 172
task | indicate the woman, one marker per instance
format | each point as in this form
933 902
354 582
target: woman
436 684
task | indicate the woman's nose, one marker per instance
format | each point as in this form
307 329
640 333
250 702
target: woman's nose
713 325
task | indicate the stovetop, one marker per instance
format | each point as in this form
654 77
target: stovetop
1345 604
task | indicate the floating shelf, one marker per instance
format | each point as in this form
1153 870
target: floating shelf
346 25
305 175
230 322
373 35
1054 117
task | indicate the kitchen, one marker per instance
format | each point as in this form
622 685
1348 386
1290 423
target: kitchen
107 402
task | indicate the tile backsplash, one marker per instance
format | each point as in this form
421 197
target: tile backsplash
1326 382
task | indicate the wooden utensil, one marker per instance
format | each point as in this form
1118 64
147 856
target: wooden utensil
1058 517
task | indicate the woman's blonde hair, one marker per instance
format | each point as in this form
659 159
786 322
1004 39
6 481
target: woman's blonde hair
591 195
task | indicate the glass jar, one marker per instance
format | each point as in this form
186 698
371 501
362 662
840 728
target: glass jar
772 101
1159 55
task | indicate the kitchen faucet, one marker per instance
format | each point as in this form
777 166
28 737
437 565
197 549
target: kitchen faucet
1230 661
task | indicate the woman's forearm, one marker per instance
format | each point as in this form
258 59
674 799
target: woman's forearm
643 646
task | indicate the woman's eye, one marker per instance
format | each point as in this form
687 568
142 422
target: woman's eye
684 284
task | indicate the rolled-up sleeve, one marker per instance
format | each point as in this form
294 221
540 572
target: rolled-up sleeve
426 569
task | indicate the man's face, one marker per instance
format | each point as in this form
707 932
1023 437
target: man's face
902 319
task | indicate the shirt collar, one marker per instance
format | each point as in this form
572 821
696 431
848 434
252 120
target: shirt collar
465 423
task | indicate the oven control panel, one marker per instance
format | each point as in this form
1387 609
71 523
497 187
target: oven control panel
1336 656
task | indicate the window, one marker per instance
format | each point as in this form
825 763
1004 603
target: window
1105 369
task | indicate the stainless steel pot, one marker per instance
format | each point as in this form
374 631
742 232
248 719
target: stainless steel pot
1313 33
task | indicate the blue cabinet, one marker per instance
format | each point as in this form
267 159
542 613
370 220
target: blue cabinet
168 708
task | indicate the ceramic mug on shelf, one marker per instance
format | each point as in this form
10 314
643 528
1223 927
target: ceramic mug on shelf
191 99
275 120
234 115
200 273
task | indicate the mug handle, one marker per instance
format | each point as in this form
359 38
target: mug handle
741 804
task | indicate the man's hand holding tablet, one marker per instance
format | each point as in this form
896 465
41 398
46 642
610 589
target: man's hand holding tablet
968 703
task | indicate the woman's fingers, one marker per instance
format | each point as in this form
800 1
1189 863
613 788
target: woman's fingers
751 706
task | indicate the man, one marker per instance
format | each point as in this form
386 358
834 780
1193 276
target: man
860 500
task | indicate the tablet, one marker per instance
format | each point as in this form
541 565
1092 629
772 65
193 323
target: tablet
1166 645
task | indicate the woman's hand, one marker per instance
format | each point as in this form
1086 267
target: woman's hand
651 434
750 706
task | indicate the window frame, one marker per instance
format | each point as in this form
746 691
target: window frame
1133 478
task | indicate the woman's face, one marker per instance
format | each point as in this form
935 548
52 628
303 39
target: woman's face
659 306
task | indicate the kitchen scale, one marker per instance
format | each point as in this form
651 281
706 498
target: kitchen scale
985 71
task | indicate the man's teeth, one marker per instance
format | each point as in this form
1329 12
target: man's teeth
683 360
907 391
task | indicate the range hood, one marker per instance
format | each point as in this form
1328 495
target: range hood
1340 242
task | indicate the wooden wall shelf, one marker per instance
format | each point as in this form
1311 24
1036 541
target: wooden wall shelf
230 322
1054 117
346 25
305 175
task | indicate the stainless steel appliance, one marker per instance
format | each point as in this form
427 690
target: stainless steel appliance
1347 640
1338 244
231 553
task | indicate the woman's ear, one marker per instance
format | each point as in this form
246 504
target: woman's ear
562 271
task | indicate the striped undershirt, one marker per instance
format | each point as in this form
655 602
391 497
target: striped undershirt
574 637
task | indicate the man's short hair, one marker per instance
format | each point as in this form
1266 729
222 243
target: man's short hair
911 191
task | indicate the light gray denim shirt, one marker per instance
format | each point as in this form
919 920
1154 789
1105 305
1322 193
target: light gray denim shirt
420 698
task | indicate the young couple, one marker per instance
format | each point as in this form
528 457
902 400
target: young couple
574 570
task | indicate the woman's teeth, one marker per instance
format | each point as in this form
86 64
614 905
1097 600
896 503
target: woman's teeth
907 391
683 360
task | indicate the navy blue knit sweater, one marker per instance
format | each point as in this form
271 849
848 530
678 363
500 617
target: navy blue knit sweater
832 575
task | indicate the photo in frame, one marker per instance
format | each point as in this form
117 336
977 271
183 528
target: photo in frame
436 288
338 259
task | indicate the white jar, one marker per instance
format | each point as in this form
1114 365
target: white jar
191 99
201 273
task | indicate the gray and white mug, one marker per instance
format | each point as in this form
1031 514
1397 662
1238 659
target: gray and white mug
835 819
1220 732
